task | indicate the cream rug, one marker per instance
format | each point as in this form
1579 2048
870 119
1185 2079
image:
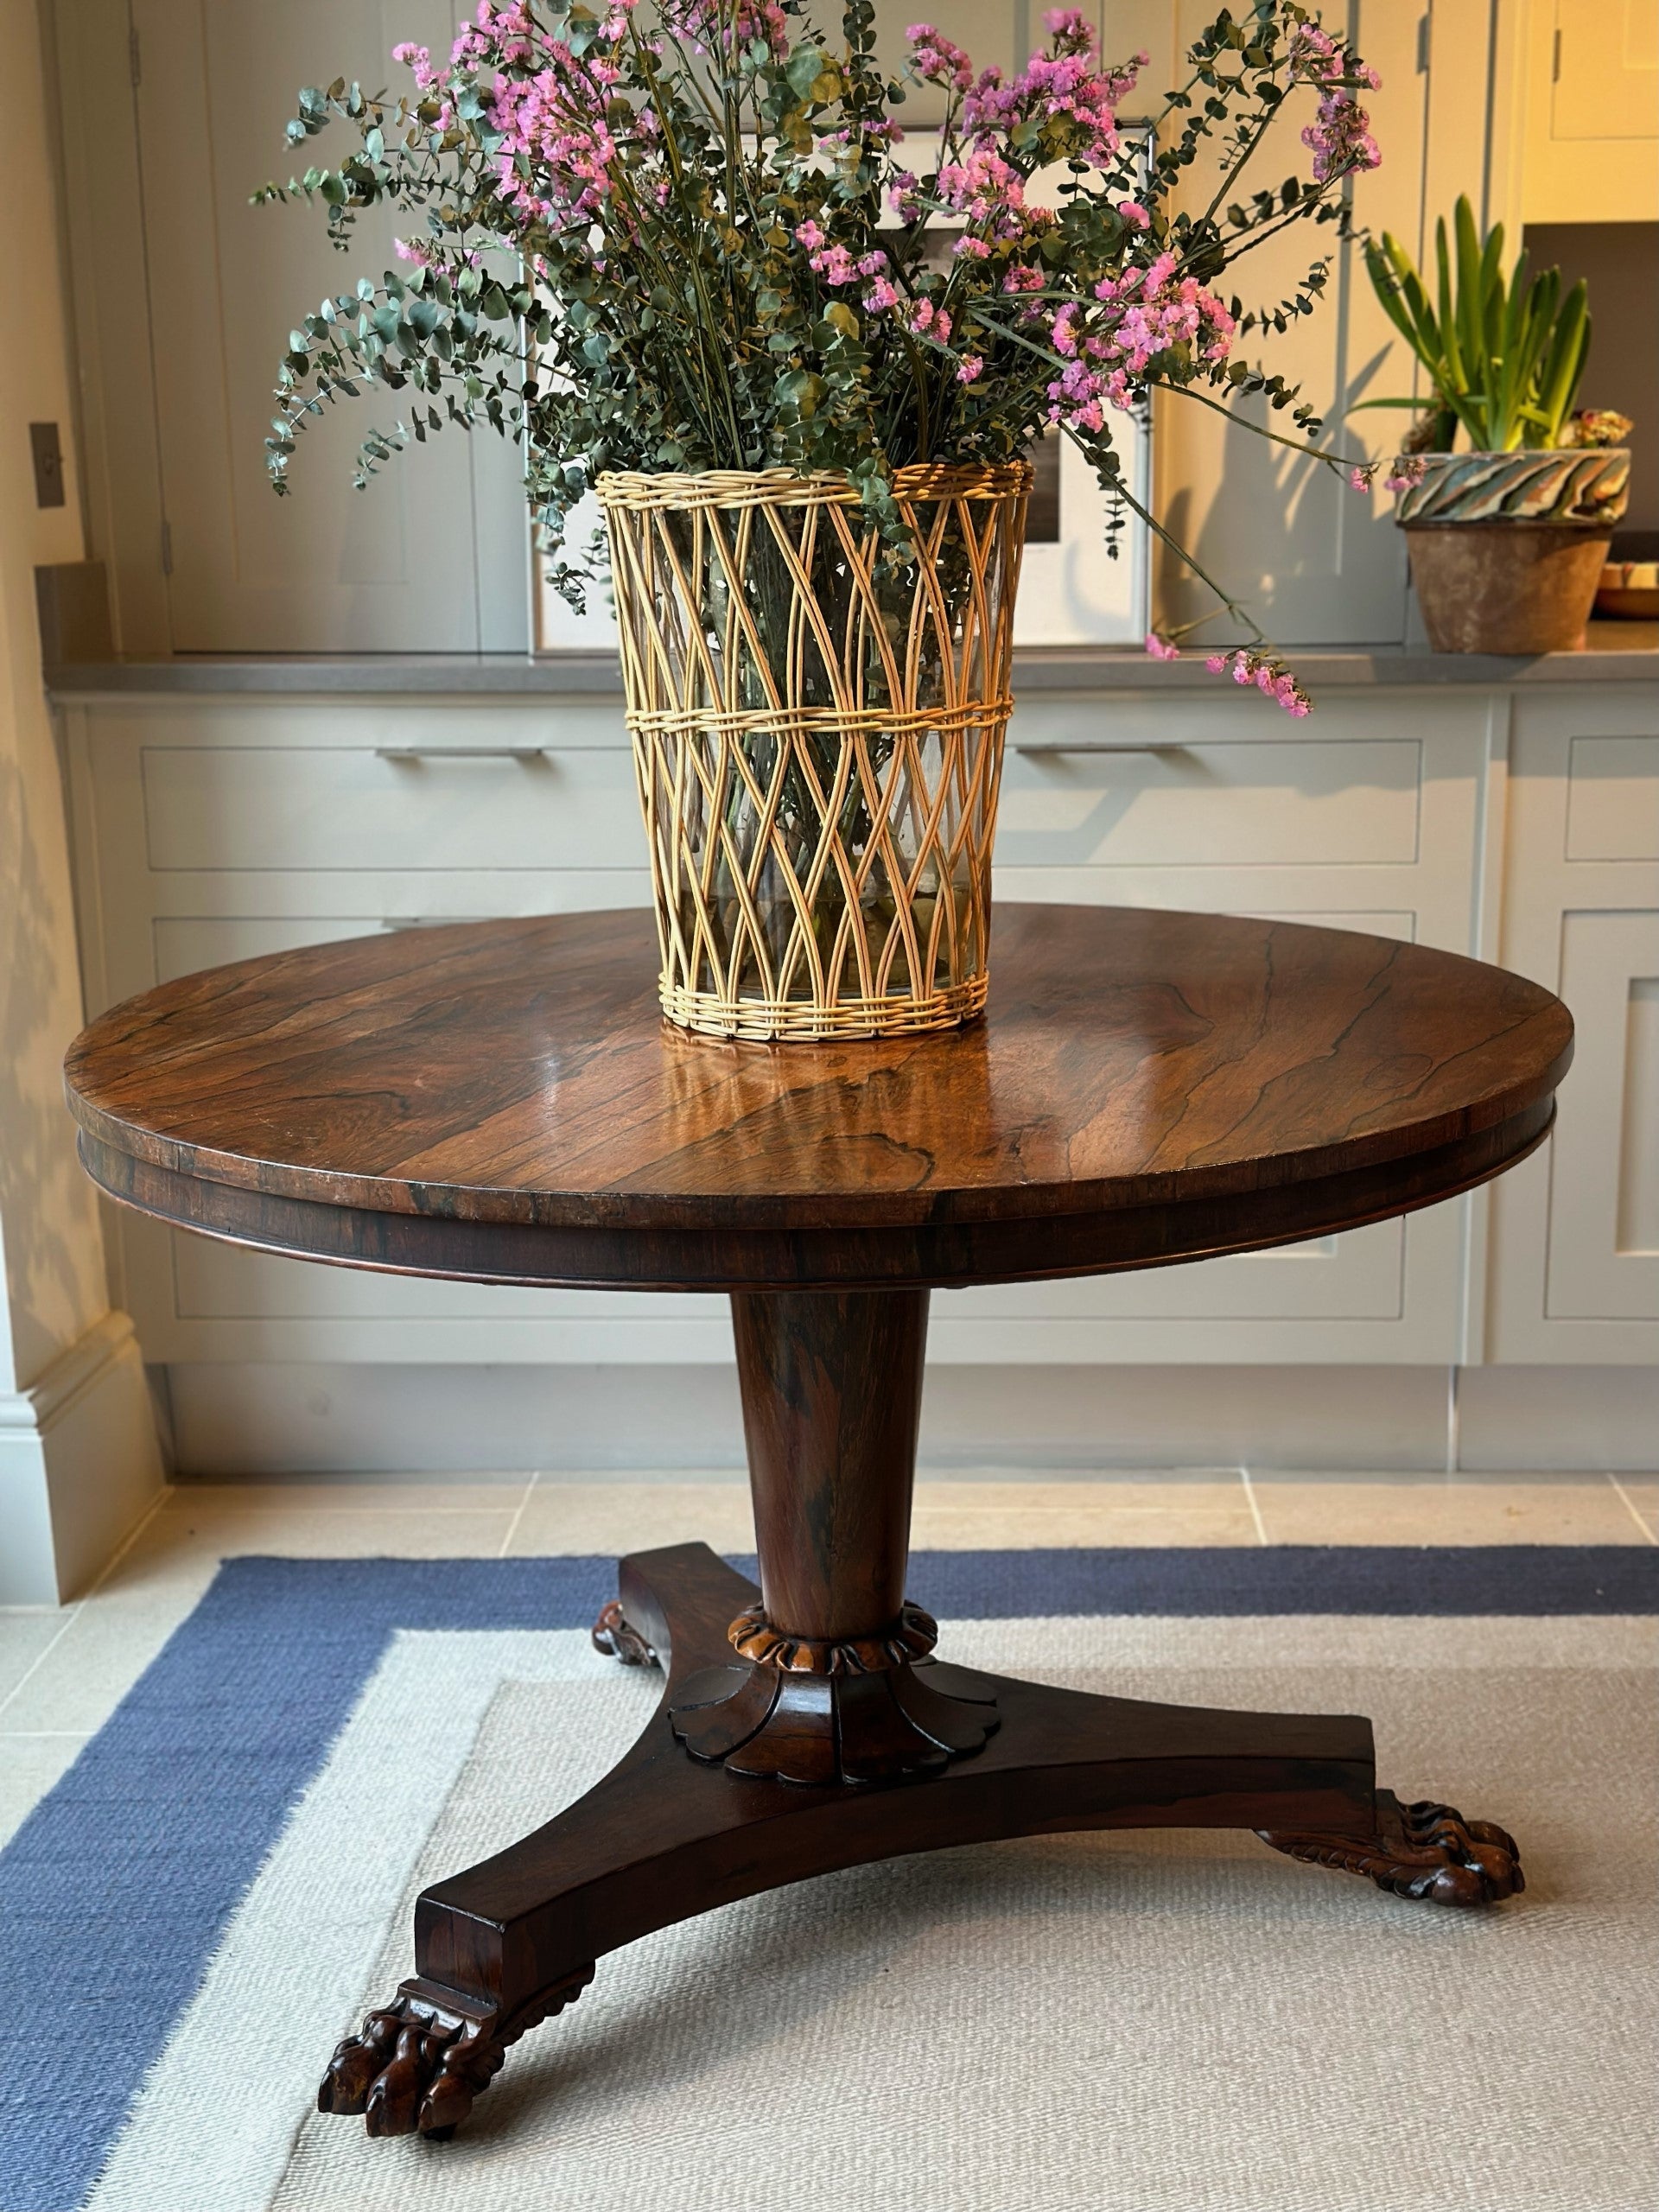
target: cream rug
1069 2024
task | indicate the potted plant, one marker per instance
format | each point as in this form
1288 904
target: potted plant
1508 539
682 255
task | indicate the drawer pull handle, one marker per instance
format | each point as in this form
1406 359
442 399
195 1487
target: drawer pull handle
1085 745
461 752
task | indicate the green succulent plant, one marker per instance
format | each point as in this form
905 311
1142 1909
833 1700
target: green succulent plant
1503 355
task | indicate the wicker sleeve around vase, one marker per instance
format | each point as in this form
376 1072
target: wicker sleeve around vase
817 723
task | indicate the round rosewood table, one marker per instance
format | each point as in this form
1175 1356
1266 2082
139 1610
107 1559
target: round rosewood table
500 1101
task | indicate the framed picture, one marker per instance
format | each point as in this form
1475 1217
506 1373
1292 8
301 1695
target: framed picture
1074 590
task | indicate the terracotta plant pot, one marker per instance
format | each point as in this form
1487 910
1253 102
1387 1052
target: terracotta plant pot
1507 549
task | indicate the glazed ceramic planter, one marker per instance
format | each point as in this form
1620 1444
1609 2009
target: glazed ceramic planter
1507 549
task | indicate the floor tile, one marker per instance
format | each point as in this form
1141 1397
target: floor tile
949 1514
101 1653
1552 1509
189 1528
355 1494
118 1629
28 1767
23 1638
1128 1508
1642 1493
1171 1483
616 1517
1019 1526
1213 1492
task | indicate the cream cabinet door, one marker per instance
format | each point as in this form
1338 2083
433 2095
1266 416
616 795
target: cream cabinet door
1575 1256
1591 113
434 556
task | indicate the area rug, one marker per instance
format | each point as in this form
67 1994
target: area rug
1159 2023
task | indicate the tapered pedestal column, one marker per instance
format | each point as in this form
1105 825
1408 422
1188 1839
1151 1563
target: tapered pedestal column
829 1682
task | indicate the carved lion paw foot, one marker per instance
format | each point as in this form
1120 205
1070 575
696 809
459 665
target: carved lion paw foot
419 2065
614 1636
410 2068
1424 1851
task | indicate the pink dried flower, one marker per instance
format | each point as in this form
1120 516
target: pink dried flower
1160 648
1145 314
928 320
1070 29
1062 93
1131 212
419 58
1407 471
1360 479
985 190
903 196
711 23
971 369
1339 136
834 264
939 60
1271 677
1339 139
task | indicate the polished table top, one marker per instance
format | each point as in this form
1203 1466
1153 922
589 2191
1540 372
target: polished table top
502 1100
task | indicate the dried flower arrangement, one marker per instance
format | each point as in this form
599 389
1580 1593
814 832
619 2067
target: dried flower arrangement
681 235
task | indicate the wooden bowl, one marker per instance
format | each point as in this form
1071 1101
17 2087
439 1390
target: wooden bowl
1629 588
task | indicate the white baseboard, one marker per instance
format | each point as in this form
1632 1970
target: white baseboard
80 1465
255 1420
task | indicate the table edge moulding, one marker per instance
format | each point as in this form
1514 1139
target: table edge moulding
500 1101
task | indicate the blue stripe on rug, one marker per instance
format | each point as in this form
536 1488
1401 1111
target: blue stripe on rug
116 1891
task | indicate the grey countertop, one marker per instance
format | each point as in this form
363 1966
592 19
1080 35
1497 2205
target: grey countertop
1617 652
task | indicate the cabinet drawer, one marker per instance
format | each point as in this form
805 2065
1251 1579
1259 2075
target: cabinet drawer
1245 803
350 808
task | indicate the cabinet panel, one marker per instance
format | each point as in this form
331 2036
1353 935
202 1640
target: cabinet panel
1314 562
1573 1271
1613 799
1591 112
1603 1209
434 556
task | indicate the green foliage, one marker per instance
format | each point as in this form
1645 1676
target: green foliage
1503 355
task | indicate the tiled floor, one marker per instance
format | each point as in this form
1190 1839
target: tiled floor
61 1673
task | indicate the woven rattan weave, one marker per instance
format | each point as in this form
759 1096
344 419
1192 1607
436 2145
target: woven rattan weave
817 717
